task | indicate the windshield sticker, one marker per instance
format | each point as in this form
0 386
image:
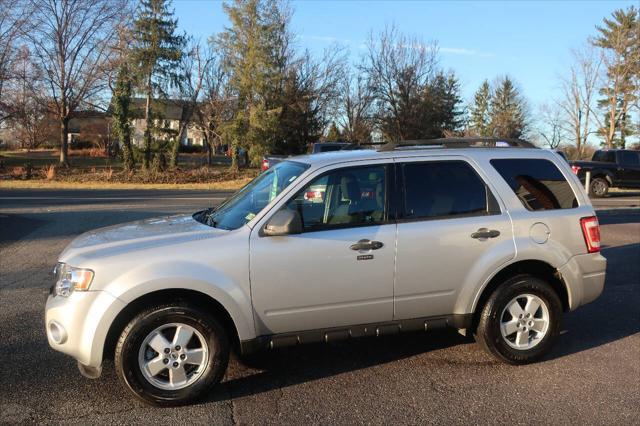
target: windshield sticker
250 216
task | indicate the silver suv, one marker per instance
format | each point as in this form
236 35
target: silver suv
491 237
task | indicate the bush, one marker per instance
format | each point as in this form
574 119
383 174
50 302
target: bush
192 149
81 145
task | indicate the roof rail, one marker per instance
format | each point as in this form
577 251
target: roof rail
462 142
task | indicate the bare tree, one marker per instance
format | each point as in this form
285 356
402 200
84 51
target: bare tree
216 104
24 94
398 68
578 91
552 121
193 69
72 41
355 112
14 16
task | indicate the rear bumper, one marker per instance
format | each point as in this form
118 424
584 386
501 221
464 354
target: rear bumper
584 277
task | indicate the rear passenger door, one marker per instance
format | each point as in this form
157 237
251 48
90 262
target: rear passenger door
630 173
452 230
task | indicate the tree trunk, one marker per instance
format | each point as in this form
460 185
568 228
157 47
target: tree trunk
127 153
623 126
205 137
64 142
175 146
147 131
234 158
175 150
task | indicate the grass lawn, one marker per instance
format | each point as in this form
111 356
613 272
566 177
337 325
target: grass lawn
89 172
229 185
47 157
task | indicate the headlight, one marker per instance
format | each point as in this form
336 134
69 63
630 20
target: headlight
70 279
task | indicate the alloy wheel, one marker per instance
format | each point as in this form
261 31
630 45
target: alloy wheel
173 356
524 321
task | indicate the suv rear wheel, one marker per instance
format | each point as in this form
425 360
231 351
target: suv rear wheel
171 354
520 321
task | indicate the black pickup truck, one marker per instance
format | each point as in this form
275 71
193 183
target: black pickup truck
614 168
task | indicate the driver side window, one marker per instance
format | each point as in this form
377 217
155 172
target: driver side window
343 198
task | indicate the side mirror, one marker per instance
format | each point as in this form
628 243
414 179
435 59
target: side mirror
284 222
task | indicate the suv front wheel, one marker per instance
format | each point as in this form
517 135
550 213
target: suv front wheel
171 354
520 320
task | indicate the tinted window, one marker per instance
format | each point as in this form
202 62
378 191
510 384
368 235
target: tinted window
630 158
444 188
329 148
538 183
343 198
604 156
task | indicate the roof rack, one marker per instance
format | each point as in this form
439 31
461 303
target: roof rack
463 142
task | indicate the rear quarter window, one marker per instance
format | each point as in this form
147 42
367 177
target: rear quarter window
604 156
538 183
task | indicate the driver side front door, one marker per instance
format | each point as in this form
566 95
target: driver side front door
318 279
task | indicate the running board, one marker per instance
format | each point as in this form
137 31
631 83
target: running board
356 331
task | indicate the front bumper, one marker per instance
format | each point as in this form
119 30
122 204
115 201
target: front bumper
78 325
584 276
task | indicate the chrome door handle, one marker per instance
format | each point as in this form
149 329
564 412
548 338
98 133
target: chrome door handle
366 245
484 233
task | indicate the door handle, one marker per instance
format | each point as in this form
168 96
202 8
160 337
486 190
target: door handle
366 245
484 233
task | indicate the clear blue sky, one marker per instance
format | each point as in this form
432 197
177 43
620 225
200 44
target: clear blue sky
530 41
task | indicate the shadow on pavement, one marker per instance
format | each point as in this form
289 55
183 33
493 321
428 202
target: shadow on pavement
296 365
590 326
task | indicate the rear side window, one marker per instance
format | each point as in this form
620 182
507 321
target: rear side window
630 158
604 156
538 183
436 189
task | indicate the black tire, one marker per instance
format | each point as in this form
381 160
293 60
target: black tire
488 332
599 187
132 337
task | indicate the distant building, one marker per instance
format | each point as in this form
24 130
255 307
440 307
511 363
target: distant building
170 113
90 127
95 128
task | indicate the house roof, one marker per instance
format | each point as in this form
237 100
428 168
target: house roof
170 109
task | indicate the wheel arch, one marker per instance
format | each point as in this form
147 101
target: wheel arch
535 268
192 297
604 174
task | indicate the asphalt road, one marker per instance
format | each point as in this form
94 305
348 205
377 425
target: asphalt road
591 377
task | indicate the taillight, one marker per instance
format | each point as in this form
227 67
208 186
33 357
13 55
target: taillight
265 164
591 233
575 169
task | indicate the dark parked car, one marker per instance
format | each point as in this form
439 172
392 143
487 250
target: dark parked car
316 148
614 168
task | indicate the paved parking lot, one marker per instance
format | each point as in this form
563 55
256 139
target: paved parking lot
592 376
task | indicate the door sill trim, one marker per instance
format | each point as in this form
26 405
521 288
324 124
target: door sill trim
334 334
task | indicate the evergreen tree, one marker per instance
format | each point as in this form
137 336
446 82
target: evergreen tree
441 105
156 53
334 134
508 110
481 110
619 39
255 56
122 126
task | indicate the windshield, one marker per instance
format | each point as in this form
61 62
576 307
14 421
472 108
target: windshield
245 204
